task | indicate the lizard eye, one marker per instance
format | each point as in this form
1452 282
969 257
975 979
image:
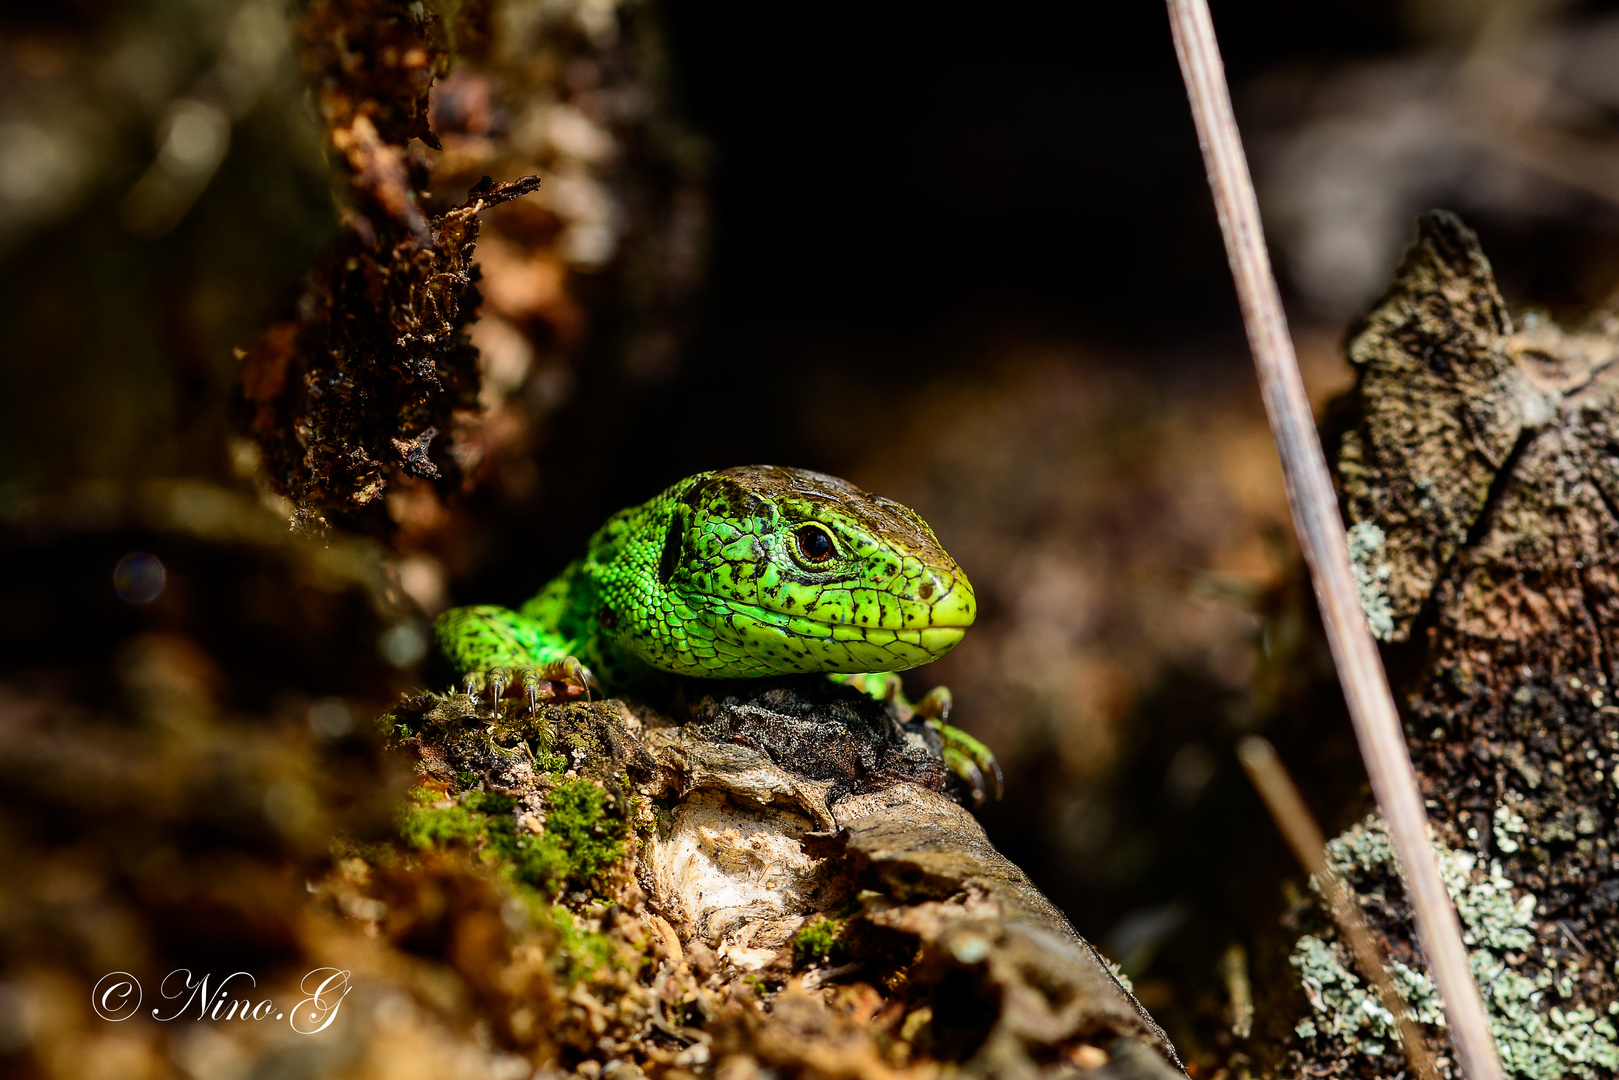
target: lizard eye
814 544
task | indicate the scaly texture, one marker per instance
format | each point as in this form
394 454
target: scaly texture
743 573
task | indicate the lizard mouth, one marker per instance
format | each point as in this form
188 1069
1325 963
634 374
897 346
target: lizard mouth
826 640
907 623
942 607
935 640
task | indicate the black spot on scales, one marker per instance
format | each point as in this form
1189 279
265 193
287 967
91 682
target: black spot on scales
673 540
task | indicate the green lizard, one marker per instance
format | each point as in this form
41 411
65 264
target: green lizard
738 574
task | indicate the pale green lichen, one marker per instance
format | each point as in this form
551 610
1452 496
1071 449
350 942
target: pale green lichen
1509 825
1372 573
1542 1031
1344 1009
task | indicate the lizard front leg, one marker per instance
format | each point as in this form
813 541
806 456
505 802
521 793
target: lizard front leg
496 649
965 756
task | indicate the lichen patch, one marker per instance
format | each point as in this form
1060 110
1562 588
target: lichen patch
1372 573
1543 1026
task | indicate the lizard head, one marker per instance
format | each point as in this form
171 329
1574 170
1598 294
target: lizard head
787 570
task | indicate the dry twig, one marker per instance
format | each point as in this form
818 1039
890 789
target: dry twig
1321 535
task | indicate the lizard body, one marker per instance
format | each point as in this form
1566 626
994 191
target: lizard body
743 573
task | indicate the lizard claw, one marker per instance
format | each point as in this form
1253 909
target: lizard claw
966 770
966 756
560 679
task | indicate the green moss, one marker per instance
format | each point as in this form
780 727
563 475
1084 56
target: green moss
586 826
437 828
1543 1031
484 802
426 823
583 833
579 952
424 796
544 760
582 837
588 837
392 727
817 941
540 742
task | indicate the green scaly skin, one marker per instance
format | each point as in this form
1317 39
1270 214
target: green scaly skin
739 574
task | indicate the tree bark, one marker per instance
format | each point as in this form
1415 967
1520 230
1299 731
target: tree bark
1480 472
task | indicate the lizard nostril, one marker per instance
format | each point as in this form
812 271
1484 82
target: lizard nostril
926 591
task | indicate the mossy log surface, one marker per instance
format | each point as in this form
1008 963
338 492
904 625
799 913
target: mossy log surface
1480 472
777 881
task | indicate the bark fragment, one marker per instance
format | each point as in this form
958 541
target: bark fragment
1482 462
1438 417
350 393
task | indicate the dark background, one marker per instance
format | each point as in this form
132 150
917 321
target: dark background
892 187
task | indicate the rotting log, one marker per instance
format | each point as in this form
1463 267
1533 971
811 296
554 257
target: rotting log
1479 470
804 895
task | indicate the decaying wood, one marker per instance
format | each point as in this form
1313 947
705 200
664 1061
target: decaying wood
769 807
1480 475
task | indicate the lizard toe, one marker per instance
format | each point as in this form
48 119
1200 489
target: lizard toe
969 760
530 681
571 677
499 679
935 704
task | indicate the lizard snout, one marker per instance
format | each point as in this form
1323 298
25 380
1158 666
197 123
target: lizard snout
952 603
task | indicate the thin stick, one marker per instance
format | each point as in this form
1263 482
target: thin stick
1303 835
1321 534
